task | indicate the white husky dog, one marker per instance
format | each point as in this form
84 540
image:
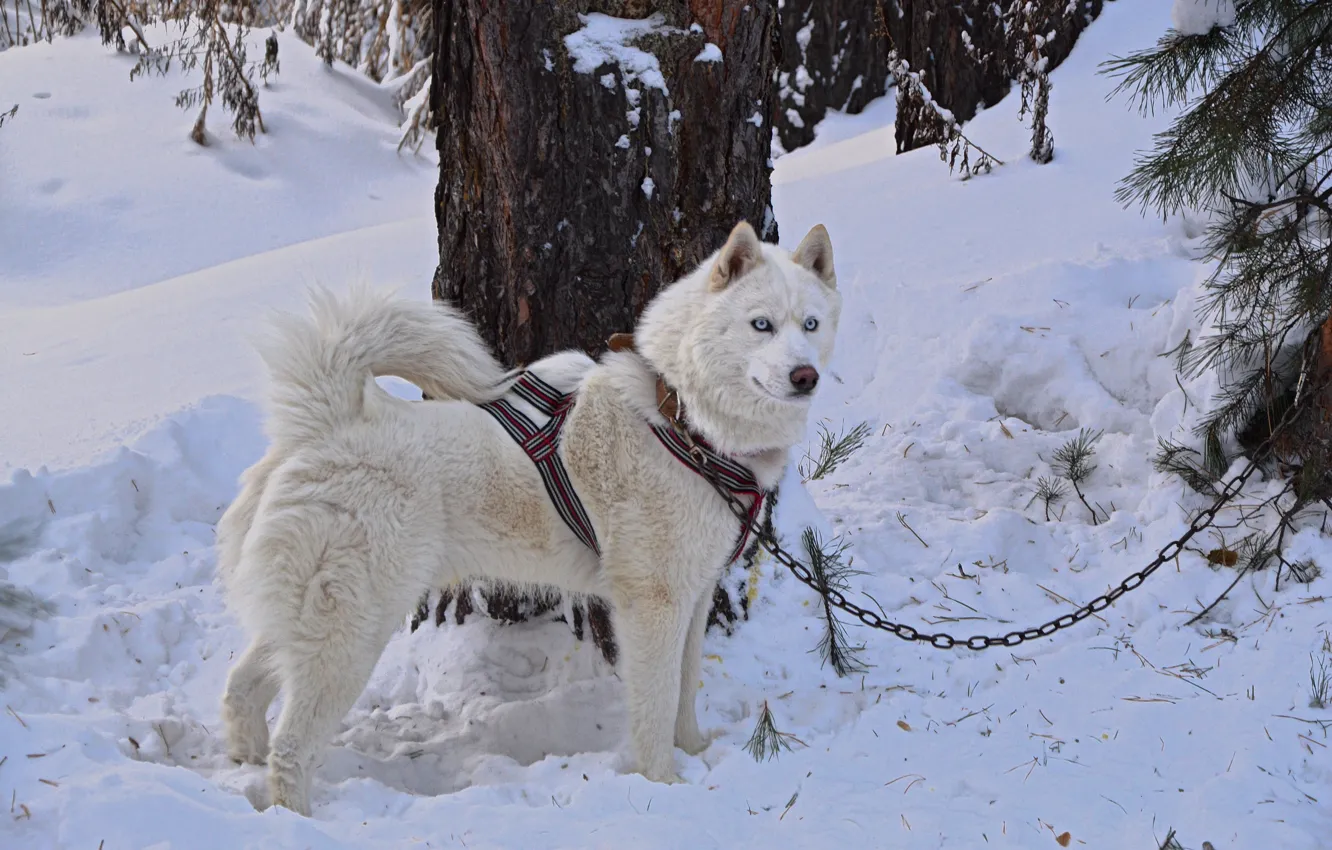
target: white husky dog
364 501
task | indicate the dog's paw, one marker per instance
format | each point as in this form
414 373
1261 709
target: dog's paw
289 792
663 772
247 740
696 742
249 751
670 777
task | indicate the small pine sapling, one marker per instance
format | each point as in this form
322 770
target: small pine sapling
228 73
768 741
1033 73
1073 461
913 97
412 96
832 573
1051 491
834 450
207 35
8 114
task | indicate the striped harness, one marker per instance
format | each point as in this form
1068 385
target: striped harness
541 443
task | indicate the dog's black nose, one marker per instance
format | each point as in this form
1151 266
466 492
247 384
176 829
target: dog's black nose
804 379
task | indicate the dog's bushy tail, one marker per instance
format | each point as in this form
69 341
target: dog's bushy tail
321 363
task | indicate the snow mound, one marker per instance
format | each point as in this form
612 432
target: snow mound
1199 17
986 322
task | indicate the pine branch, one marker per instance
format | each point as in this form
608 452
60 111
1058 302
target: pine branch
1233 133
245 103
1166 75
1255 551
125 19
1251 147
954 147
10 113
767 741
1180 460
834 450
1181 351
831 573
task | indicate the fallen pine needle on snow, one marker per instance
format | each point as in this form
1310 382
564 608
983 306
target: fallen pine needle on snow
901 518
457 722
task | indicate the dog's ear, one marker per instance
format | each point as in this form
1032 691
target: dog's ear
739 255
815 253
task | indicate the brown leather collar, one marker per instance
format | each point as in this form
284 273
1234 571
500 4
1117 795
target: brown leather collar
668 401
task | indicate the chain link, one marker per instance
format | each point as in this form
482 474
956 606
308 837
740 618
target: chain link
941 640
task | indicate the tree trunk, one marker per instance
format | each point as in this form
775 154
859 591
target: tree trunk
966 55
572 187
833 57
581 170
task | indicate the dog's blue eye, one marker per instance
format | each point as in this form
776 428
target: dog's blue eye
762 325
811 324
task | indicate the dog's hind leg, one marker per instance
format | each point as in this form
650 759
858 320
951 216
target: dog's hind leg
320 685
251 686
651 627
235 522
687 735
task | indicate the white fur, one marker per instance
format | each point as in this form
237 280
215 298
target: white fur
364 501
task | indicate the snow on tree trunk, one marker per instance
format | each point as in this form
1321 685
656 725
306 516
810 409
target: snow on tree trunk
961 50
833 56
590 153
587 160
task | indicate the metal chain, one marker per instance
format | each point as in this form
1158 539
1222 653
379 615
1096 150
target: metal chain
941 640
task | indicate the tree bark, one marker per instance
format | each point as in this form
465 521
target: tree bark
570 191
965 55
580 174
833 56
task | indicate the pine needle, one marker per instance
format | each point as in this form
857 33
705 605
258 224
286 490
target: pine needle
834 450
1214 457
768 741
1189 464
832 573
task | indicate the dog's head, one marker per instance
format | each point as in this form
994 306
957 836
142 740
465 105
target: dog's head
746 337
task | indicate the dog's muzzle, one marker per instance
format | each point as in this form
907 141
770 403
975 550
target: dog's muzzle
804 379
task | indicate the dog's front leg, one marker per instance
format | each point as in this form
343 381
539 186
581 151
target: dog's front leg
651 626
687 735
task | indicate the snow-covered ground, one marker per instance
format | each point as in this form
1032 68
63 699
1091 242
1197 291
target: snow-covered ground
986 322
